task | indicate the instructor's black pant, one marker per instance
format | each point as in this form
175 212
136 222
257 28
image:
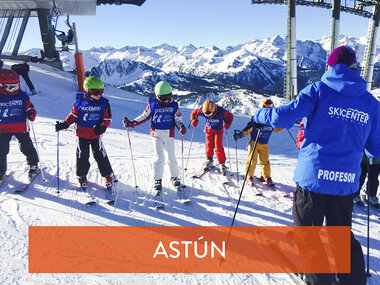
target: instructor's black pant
25 144
99 153
310 209
373 174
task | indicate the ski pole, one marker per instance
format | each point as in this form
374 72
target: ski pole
237 163
242 188
58 161
183 170
133 164
191 142
369 186
246 175
228 150
291 136
38 153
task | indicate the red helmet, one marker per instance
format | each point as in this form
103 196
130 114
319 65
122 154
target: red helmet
9 81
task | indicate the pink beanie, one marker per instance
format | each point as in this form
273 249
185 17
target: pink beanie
342 54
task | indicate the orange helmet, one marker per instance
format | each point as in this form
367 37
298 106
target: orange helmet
209 108
267 103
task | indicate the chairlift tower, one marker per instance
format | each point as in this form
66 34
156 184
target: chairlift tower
12 12
363 8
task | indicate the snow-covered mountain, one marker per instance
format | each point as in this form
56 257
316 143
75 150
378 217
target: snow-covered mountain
256 66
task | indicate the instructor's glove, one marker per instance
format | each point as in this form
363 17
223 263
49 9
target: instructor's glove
99 129
129 124
60 126
31 114
238 135
182 129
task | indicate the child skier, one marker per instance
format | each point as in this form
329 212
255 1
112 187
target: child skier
217 118
261 150
15 108
92 114
165 116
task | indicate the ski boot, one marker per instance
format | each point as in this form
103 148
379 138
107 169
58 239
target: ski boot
374 202
269 181
207 164
33 171
223 168
158 185
109 182
358 201
83 182
176 183
2 176
251 181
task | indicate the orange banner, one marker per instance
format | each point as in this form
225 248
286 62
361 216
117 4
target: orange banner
189 249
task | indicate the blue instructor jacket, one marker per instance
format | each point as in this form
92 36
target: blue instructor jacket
341 119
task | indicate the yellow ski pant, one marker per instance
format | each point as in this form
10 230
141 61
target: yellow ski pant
263 152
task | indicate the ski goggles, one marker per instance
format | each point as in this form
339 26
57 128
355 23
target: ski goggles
96 92
209 113
165 98
10 87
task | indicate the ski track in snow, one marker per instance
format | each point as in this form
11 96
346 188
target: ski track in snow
212 203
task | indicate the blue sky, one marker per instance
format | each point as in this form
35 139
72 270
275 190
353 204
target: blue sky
198 22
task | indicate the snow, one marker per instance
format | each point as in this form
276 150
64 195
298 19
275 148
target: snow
212 202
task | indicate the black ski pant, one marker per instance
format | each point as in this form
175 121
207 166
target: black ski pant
373 174
310 209
25 144
28 81
99 153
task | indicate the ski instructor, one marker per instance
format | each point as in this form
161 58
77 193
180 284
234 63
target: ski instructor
340 120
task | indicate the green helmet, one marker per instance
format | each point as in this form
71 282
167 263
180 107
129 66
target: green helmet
92 83
162 88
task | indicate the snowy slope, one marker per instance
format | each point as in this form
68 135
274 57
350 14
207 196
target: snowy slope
212 202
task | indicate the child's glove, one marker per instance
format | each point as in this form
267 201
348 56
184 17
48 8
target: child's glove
238 135
129 124
31 114
226 124
182 129
60 126
99 129
194 123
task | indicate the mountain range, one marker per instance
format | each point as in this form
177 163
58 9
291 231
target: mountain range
254 67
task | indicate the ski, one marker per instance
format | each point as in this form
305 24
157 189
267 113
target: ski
255 189
87 197
26 185
204 171
110 196
5 178
224 179
274 187
158 201
182 196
